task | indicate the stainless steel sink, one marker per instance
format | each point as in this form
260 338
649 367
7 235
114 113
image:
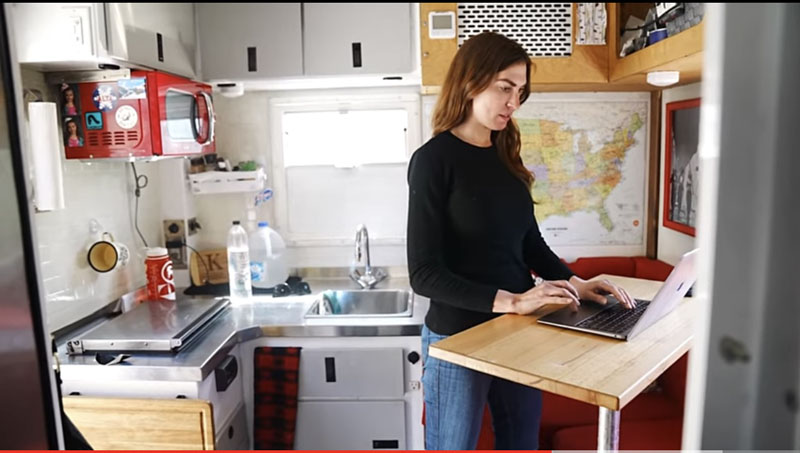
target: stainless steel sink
371 303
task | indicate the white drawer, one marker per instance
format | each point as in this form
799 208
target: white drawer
362 373
233 435
224 402
350 425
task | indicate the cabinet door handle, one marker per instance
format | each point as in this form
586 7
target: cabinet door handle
252 63
356 54
160 46
330 369
381 444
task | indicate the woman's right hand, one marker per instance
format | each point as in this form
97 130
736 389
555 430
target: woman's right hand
556 293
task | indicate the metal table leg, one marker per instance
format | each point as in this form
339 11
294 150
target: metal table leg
608 430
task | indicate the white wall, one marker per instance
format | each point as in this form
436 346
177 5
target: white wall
243 125
242 134
672 244
102 191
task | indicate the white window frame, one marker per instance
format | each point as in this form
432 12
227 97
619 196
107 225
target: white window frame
411 102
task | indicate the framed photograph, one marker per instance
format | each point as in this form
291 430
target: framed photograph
681 164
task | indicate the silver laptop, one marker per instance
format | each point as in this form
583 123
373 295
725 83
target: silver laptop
615 321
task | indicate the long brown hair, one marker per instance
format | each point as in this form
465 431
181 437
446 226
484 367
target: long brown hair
473 69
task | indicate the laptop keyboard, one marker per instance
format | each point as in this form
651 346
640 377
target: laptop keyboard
616 319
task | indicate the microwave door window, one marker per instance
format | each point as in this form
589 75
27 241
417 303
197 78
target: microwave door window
182 118
203 119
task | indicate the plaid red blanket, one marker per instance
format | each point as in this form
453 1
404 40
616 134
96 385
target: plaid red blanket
276 384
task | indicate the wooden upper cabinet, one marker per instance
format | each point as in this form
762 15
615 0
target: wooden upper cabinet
586 65
681 52
589 68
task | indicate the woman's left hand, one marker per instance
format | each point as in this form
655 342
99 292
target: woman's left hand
595 290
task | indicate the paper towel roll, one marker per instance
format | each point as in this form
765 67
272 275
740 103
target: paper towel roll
46 151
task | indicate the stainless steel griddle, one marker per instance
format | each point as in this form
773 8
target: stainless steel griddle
164 325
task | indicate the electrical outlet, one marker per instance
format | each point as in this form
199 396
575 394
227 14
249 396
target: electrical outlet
415 385
174 238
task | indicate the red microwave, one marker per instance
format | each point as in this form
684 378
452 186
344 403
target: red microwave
150 114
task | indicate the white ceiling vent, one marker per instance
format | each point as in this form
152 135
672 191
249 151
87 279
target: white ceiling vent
543 29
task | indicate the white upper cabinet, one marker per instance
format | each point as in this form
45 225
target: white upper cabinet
69 36
156 35
357 38
58 36
240 41
236 41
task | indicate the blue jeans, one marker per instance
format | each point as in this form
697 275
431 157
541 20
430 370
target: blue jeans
454 400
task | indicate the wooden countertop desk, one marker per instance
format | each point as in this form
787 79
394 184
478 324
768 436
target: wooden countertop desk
601 371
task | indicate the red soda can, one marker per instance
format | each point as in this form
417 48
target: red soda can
158 268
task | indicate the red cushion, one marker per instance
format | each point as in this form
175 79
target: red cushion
674 380
633 435
559 412
651 269
587 268
486 437
637 266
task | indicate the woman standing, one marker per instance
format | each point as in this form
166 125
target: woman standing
473 241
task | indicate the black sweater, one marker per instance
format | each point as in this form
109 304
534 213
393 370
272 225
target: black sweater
471 231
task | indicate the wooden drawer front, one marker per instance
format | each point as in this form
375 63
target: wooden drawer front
350 425
233 435
351 373
142 424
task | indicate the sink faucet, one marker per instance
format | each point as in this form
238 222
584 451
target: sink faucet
370 276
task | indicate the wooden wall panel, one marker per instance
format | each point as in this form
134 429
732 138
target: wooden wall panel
587 65
436 53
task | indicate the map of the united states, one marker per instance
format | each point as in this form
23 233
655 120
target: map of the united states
568 181
588 158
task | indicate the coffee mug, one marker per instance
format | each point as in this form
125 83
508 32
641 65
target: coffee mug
105 254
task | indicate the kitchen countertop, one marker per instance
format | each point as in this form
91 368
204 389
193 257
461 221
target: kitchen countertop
263 316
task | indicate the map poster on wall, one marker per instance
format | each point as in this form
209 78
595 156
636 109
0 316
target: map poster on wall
587 152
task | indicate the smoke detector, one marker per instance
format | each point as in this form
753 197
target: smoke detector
663 78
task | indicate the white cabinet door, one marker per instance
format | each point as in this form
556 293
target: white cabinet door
351 373
350 425
72 34
357 38
233 433
240 41
156 35
223 387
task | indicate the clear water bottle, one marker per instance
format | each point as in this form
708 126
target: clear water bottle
267 257
239 263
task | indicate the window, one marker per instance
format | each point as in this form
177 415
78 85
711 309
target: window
342 161
346 138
